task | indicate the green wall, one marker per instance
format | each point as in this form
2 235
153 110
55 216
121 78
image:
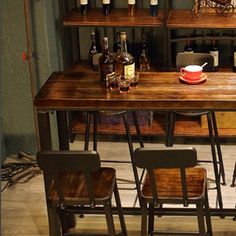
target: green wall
18 131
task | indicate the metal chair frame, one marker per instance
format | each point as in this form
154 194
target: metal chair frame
169 159
70 198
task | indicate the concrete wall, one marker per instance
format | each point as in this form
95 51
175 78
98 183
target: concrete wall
18 132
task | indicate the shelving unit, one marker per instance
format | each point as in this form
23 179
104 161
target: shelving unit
174 27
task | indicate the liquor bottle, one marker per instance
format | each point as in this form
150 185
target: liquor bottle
153 7
117 45
84 7
131 7
144 61
214 51
106 61
234 59
106 4
124 63
93 49
188 47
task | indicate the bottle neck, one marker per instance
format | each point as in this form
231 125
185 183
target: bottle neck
123 45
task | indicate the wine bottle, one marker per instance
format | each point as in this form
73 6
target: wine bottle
84 7
188 47
106 4
144 61
106 61
234 59
124 63
131 7
153 7
117 45
93 49
214 51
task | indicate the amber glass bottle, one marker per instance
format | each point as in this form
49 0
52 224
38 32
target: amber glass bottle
106 61
93 49
131 7
124 63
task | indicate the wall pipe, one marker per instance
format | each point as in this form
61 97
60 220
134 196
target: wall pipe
31 62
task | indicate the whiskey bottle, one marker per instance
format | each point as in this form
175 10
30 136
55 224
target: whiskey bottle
214 51
188 47
144 61
124 63
93 49
131 7
84 7
234 59
153 7
117 45
106 5
106 61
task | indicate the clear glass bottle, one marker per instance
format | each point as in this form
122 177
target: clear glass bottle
93 49
153 7
214 51
131 7
124 63
106 5
106 61
84 7
144 61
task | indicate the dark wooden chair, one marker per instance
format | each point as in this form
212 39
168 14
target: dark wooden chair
172 178
77 181
184 59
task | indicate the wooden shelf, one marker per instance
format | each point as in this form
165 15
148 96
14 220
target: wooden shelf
117 18
184 127
184 19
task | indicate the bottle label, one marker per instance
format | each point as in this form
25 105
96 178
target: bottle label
234 59
83 2
215 54
106 1
153 2
129 70
131 2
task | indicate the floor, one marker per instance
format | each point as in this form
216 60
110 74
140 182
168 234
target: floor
24 210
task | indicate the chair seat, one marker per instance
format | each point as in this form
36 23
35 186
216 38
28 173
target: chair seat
75 189
169 183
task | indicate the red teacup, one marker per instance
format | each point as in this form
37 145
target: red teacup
191 72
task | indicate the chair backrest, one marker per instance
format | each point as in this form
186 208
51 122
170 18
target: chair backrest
184 59
54 163
172 157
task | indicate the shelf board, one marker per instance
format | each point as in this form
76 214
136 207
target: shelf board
184 19
117 18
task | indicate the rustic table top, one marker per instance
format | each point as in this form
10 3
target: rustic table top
157 91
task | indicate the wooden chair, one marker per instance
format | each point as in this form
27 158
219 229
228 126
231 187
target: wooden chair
77 181
172 178
184 59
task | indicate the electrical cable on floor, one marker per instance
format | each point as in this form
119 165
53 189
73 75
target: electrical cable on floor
20 171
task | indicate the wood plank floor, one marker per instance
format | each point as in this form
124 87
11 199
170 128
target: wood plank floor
24 210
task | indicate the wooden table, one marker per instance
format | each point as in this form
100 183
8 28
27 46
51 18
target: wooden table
162 91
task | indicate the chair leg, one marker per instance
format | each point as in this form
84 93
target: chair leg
120 211
217 141
87 131
200 217
137 127
95 126
213 151
207 213
144 219
170 128
131 150
234 176
109 218
150 218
